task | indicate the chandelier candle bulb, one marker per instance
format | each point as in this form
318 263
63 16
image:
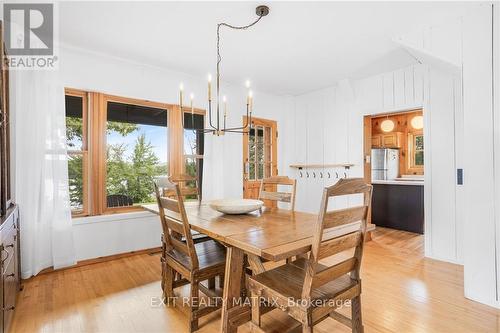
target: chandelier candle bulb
181 90
209 87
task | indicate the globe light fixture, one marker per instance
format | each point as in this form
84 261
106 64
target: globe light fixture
417 122
387 125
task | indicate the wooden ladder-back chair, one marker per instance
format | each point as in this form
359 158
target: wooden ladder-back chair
275 195
188 184
194 262
317 290
187 189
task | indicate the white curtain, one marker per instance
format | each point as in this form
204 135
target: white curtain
41 170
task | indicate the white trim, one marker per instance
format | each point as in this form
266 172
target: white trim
112 217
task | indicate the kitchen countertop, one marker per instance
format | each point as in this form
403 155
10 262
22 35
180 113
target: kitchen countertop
399 182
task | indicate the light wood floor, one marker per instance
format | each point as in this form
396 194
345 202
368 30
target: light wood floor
402 292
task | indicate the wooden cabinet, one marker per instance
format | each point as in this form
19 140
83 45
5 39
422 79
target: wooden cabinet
9 265
388 140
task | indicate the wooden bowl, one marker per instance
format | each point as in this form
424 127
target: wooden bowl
236 206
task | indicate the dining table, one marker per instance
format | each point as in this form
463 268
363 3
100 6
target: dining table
264 235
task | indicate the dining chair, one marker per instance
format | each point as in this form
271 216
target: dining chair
189 187
188 184
310 291
269 191
193 262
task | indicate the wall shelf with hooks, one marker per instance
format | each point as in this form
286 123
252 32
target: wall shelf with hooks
322 166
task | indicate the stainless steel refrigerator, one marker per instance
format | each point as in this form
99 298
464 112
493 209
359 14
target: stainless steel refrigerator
385 164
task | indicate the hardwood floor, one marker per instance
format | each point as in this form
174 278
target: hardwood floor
402 292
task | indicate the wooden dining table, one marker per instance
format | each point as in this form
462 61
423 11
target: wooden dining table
273 235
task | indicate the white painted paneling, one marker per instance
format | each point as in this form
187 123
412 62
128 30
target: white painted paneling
440 113
399 88
480 253
409 85
388 90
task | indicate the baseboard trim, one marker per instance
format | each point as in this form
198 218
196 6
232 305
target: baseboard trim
97 260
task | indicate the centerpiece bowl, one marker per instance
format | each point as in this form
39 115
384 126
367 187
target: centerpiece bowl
236 206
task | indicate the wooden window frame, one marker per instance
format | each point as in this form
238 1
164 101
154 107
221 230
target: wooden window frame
96 146
412 167
186 110
85 148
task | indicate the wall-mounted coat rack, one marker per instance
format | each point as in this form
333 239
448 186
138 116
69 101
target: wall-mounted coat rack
321 166
304 167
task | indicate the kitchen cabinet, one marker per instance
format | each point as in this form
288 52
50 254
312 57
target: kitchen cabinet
389 140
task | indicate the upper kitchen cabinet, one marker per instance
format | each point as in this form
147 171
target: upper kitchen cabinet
390 140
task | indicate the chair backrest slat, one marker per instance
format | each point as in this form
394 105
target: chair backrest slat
333 272
170 204
339 244
345 240
340 217
274 195
180 246
175 224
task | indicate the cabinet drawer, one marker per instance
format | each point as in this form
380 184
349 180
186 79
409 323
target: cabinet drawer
9 292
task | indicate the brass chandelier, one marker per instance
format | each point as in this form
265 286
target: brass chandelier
217 123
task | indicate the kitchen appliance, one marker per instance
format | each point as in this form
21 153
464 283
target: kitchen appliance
385 164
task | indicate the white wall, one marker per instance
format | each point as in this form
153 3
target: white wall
481 147
107 235
328 128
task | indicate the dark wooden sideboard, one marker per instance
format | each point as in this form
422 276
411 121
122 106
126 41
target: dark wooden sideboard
10 277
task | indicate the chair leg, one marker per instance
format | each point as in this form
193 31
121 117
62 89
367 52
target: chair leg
256 308
193 305
357 323
211 283
168 282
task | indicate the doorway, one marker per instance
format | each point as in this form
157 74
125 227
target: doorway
394 165
260 155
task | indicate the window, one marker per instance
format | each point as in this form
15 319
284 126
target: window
76 143
260 162
193 147
416 149
116 146
136 152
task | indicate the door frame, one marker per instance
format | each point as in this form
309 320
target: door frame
274 148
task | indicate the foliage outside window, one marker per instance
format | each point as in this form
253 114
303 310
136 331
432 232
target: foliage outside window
129 144
136 152
76 144
416 149
193 148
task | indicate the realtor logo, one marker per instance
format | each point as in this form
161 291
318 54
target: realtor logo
29 35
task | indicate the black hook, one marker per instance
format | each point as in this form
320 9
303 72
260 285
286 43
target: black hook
321 174
336 175
300 174
307 173
345 175
314 174
329 176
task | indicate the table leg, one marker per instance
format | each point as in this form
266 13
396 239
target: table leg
232 286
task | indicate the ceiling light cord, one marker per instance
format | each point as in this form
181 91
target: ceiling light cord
219 57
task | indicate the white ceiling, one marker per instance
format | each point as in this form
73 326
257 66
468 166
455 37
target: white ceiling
298 47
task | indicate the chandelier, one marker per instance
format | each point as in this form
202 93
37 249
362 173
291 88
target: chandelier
217 123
